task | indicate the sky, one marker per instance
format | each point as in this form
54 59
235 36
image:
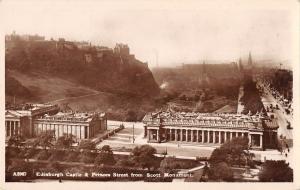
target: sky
172 33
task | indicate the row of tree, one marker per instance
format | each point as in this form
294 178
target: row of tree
236 153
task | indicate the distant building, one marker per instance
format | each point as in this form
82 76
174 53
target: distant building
32 121
20 121
80 125
122 49
103 52
25 37
209 128
83 45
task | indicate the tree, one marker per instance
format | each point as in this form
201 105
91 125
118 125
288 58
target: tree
232 152
168 164
14 141
87 156
131 116
65 141
45 139
105 156
86 145
221 172
276 171
144 156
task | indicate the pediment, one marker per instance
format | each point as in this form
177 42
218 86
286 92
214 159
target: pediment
12 114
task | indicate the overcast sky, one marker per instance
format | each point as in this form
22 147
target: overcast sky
177 34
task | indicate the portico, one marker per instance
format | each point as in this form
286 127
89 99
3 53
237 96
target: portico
213 131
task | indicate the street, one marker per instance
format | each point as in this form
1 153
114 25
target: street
280 115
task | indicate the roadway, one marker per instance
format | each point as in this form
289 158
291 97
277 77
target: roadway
280 115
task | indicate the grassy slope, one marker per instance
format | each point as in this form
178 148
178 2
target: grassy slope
47 88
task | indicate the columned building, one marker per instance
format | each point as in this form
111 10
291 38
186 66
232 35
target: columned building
36 118
20 122
206 128
80 125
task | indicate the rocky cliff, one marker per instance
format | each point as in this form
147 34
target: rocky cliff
99 68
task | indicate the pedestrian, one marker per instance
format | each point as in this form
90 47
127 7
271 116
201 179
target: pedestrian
285 154
288 150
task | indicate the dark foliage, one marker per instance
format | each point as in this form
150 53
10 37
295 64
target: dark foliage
251 99
105 156
276 171
143 156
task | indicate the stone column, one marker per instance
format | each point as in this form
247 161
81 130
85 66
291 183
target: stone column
202 136
58 130
16 128
19 128
186 135
242 134
176 134
225 136
208 136
157 135
219 137
170 136
231 135
181 137
12 128
260 141
250 139
214 137
197 135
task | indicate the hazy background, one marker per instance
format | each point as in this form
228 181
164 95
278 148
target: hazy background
187 34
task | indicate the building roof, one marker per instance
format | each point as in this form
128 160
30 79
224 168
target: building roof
203 119
72 117
16 113
270 124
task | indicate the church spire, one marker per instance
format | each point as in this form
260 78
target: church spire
250 59
240 64
203 68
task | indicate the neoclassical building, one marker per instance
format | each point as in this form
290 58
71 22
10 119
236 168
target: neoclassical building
30 122
209 128
20 121
80 125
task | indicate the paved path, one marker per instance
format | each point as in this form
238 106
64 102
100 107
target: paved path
124 139
275 155
75 97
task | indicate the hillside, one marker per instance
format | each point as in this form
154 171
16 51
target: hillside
41 87
36 87
98 68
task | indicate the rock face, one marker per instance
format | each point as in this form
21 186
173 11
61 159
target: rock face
100 68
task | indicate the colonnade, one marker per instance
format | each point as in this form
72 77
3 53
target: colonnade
79 131
198 135
12 128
